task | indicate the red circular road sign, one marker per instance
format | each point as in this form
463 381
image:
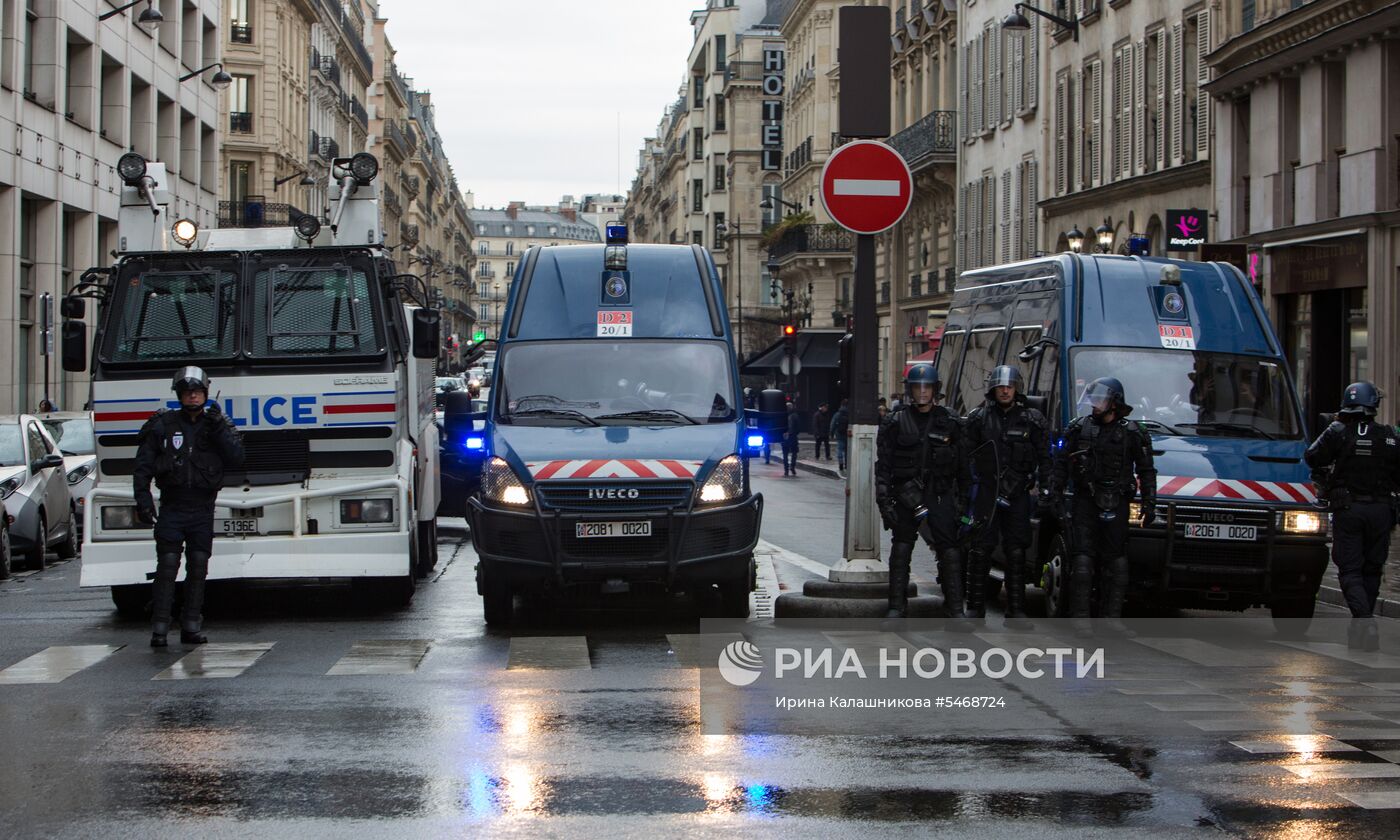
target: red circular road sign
866 186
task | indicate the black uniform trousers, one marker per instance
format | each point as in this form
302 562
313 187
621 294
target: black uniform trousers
1011 525
191 529
1360 542
1094 537
939 528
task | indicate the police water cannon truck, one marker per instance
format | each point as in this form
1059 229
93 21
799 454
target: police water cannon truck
321 354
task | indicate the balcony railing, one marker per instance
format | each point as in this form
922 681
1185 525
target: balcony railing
411 185
240 122
806 239
253 212
397 81
330 150
391 200
394 134
746 70
240 33
315 145
357 43
933 139
800 155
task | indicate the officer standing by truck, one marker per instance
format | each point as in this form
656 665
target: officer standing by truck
186 453
922 479
1097 458
1360 462
1009 448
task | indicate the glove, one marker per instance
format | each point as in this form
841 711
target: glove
146 513
1149 511
212 408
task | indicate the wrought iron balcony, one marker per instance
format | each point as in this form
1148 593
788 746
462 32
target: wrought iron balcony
394 134
397 81
241 33
933 139
806 239
240 122
315 149
746 70
253 212
330 150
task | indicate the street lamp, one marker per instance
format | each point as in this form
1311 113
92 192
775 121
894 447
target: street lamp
149 19
1075 238
767 204
1017 22
220 80
306 179
724 229
1104 232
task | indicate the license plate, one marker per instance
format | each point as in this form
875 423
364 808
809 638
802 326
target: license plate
612 529
1222 532
236 527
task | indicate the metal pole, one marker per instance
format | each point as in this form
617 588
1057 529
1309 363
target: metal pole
861 563
739 270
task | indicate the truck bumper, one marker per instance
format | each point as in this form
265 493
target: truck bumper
538 548
321 556
1226 575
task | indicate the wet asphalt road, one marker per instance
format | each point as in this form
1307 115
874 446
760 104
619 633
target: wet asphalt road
312 716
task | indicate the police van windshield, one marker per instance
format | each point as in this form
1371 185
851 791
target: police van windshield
1195 393
611 383
188 315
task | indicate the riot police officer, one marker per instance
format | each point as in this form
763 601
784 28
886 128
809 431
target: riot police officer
1097 458
1009 448
186 452
922 480
1360 460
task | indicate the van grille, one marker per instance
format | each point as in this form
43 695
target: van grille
1222 515
651 495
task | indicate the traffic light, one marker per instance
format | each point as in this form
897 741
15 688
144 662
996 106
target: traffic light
790 338
479 335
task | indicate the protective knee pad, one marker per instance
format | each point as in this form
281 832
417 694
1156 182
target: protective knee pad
196 565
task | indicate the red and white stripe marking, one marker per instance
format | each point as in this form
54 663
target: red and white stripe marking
608 468
1229 488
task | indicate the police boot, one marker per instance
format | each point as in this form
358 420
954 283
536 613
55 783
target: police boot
1016 590
901 553
1363 634
159 629
1115 592
1081 592
977 586
163 595
191 613
951 570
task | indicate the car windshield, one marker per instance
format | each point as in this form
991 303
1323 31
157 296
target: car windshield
11 446
617 383
447 383
1195 393
74 435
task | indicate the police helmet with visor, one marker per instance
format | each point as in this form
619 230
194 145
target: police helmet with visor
922 373
1362 398
1004 376
1103 395
190 379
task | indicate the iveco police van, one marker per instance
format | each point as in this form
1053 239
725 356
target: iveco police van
1199 361
615 446
320 353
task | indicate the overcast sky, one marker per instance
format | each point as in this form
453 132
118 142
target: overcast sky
529 94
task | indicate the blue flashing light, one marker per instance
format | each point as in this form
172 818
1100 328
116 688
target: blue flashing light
755 441
475 443
615 234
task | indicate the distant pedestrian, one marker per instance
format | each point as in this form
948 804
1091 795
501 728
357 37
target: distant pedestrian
821 431
46 406
794 426
840 428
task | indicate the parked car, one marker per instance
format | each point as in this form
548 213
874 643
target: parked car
35 492
72 430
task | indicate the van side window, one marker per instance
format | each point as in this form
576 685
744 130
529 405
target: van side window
1047 367
949 354
983 354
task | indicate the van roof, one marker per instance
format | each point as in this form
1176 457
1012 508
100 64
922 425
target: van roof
672 292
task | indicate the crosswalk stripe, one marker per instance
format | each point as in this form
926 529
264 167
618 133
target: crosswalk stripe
700 650
548 652
381 656
804 563
1288 744
56 664
216 660
1336 651
1206 653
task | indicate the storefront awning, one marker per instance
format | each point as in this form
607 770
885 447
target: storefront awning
815 349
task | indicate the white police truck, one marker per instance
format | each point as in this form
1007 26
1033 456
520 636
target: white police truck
320 353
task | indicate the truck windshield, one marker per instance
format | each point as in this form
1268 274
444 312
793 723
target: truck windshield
1196 393
312 311
184 315
617 383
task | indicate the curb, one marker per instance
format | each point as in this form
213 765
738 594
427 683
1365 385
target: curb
1385 607
820 469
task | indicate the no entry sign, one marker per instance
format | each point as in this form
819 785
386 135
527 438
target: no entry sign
866 186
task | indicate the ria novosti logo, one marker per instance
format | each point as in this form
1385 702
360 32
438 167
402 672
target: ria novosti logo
740 663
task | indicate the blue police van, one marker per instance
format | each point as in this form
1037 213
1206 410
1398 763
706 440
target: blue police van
614 447
1237 522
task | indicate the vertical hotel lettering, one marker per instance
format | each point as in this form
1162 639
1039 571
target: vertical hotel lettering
774 61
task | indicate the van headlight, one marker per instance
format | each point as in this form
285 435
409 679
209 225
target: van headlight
1303 522
366 511
80 473
726 481
119 518
499 483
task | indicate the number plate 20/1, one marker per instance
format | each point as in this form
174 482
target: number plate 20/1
583 530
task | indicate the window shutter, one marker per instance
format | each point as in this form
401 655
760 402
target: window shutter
1028 207
1061 143
961 257
1202 78
994 77
1033 64
1078 157
1095 173
976 92
1018 74
1139 106
1178 94
964 130
1006 215
1115 110
989 220
1159 131
1017 234
1008 75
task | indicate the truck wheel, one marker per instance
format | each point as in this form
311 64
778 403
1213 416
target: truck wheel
1055 579
1292 616
132 599
427 548
4 549
497 601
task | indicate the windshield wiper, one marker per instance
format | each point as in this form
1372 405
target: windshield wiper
651 414
1232 427
1158 424
554 412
